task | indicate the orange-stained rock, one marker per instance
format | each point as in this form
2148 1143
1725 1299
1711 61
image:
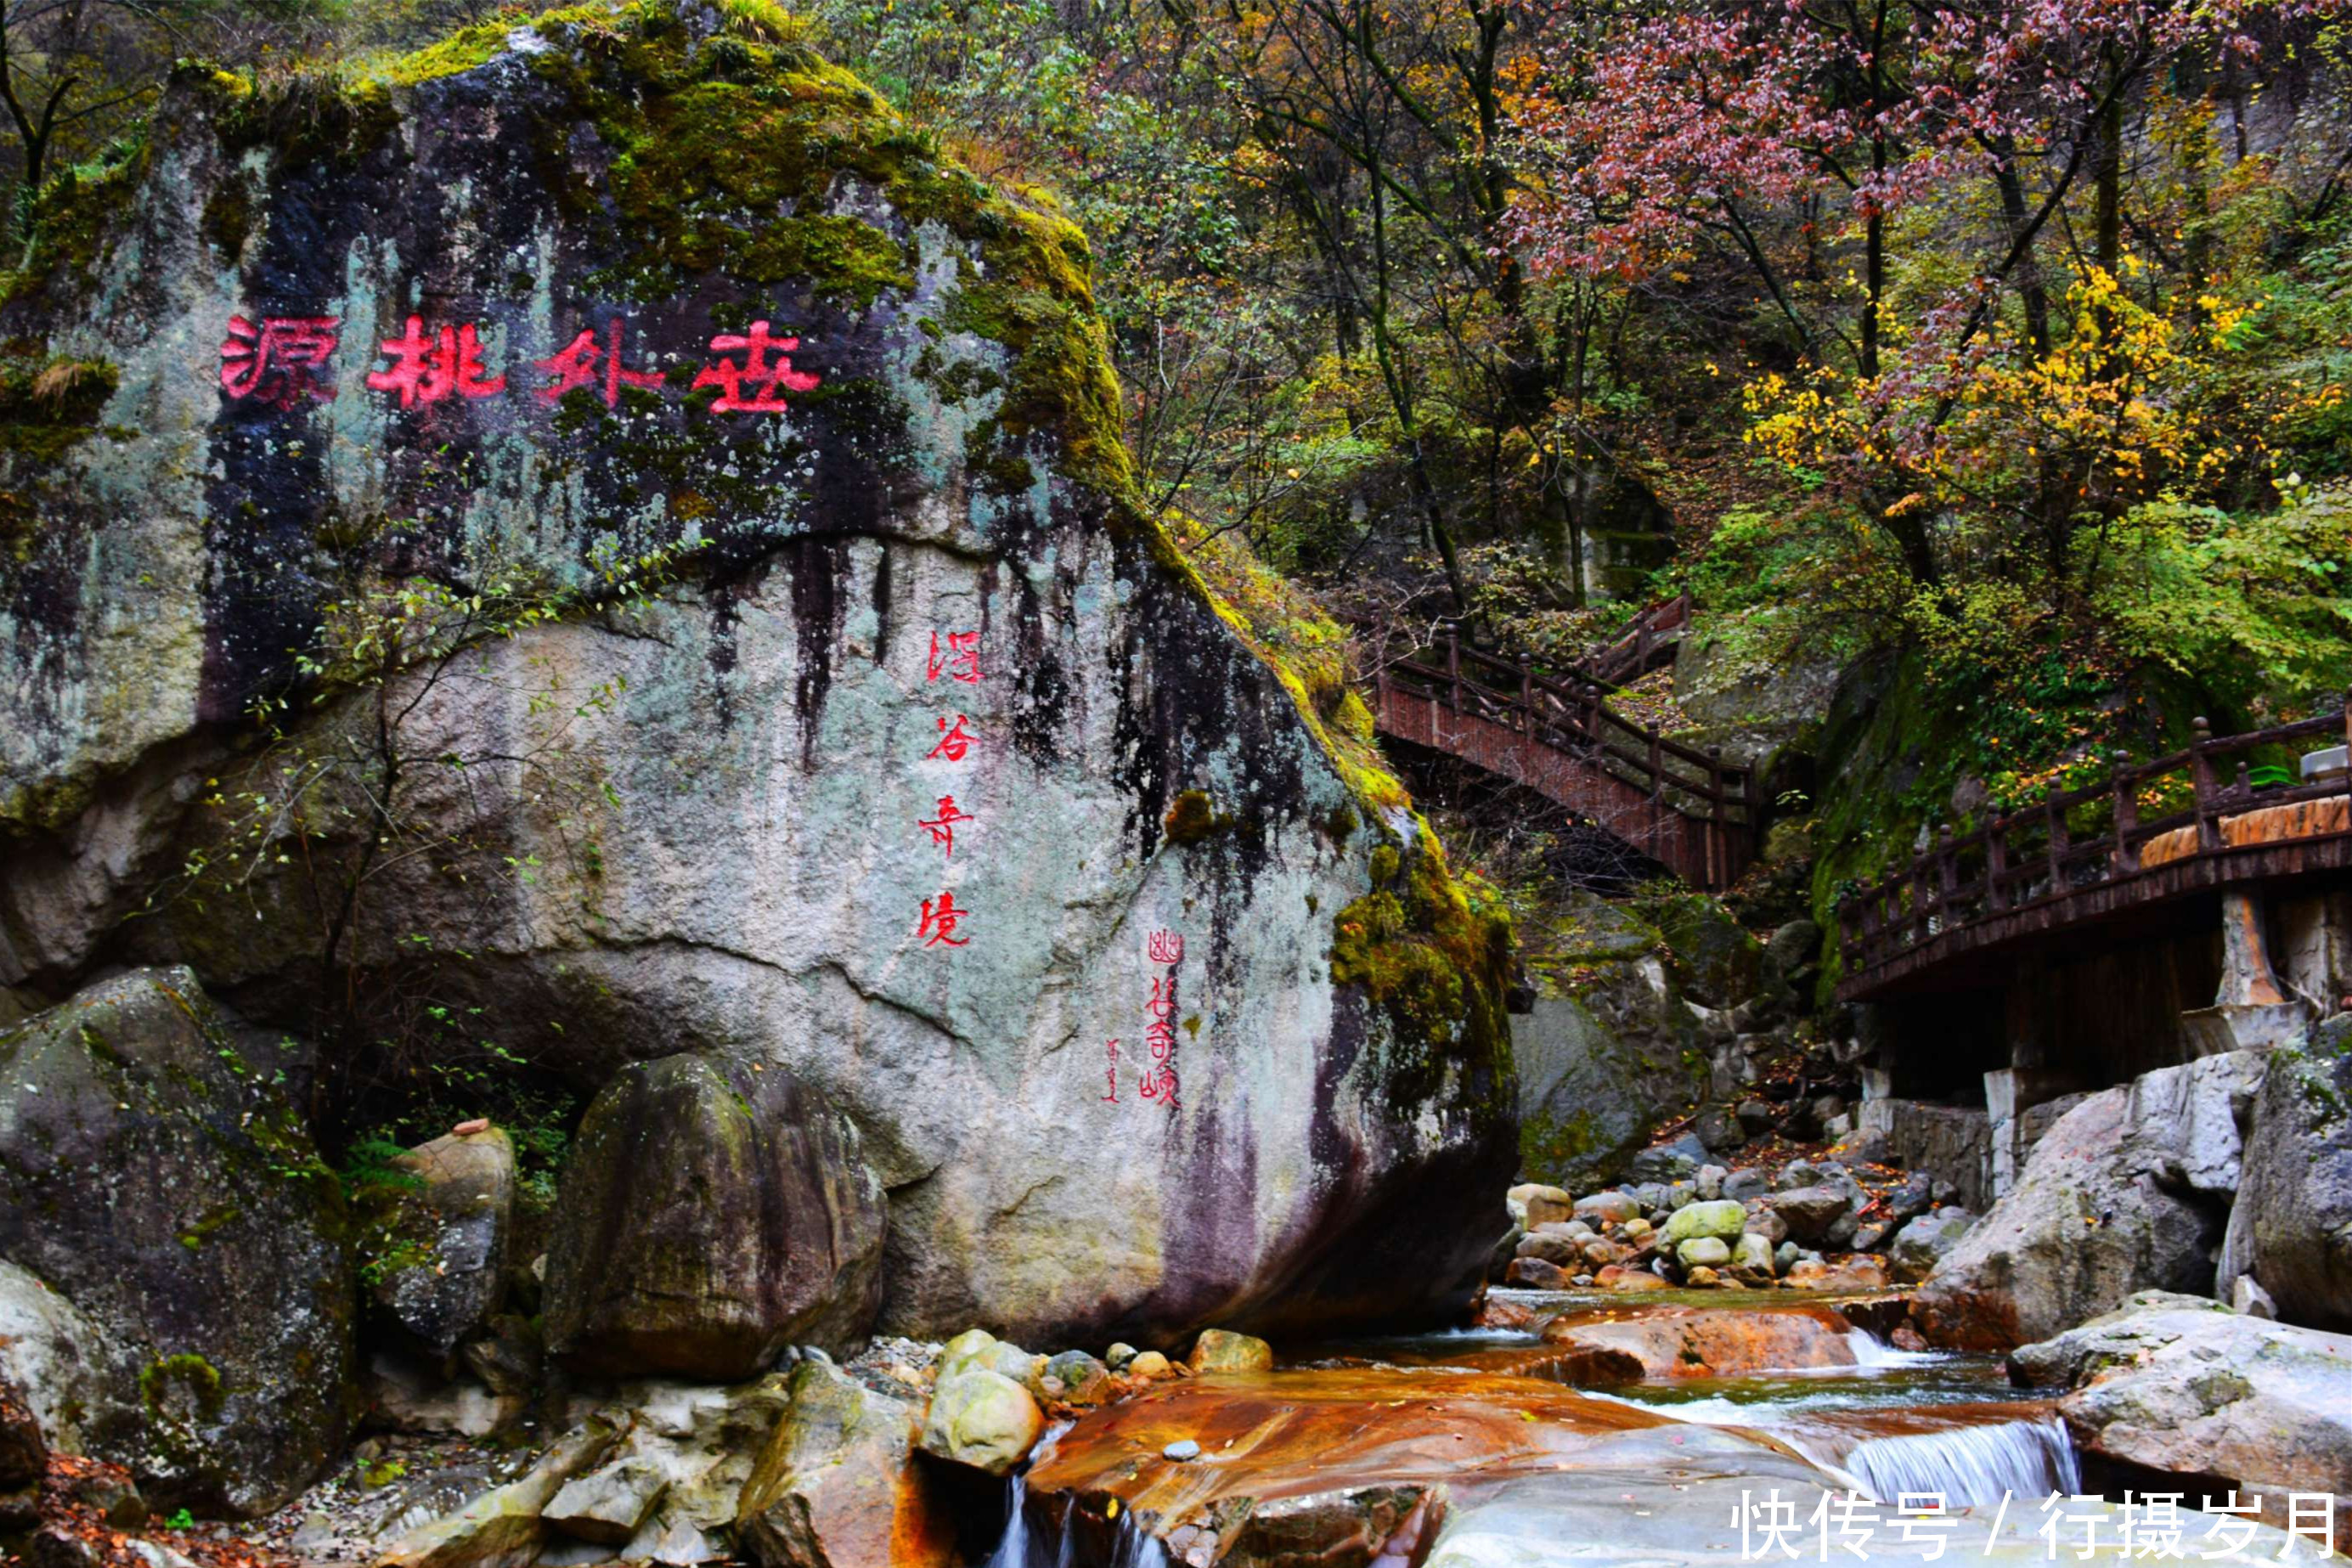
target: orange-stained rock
838 1485
1311 1466
1494 1314
1616 1278
1857 1271
1709 1341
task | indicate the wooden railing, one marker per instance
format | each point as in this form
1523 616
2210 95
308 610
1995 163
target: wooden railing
2029 863
1655 632
1635 779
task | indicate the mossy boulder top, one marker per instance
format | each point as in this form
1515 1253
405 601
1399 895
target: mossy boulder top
928 770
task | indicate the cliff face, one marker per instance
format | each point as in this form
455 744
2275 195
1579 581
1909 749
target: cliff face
674 526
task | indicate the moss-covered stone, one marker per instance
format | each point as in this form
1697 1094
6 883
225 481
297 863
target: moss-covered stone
173 1199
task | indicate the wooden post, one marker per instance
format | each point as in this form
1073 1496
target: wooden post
1716 871
1657 785
1526 695
1453 665
2201 782
1996 865
2058 843
2127 855
1948 868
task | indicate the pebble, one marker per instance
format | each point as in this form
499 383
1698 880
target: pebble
1183 1448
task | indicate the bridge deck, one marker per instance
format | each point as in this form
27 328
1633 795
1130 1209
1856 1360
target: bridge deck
1688 810
2084 860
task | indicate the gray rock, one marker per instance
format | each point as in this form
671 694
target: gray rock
61 1365
1785 1256
1702 1252
1675 1162
982 1419
1752 1260
709 1216
1755 1117
1913 1197
449 1238
748 885
2291 1228
1710 1182
1607 1208
1183 1448
1810 1212
1924 1240
169 1193
1744 1185
2182 1385
502 1527
1870 1237
2100 1211
1552 1247
1082 1377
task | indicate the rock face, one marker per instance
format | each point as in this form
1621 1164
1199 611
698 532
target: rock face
2183 1385
2127 1192
1606 1054
166 1191
838 1485
906 568
708 1217
2291 1228
454 1229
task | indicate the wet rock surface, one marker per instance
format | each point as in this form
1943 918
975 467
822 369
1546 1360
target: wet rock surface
936 490
166 1193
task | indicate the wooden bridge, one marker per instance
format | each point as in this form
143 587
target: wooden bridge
2165 831
1687 809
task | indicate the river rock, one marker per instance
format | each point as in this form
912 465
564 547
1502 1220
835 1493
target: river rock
2290 1231
1722 1219
1745 1183
169 1192
1752 1260
1552 1247
1218 1350
1678 1161
1702 1252
837 1486
502 1527
1535 1274
1716 1342
912 568
1811 1212
984 1419
709 1216
1608 1208
2184 1386
1923 1242
449 1234
1533 1205
2099 1212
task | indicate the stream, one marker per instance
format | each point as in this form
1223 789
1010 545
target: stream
1473 1446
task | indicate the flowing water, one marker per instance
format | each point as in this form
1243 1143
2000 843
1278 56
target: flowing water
1478 1410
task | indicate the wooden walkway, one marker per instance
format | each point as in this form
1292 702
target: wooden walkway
2167 830
1687 809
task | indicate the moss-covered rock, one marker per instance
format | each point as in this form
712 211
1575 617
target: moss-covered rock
699 722
708 1217
172 1195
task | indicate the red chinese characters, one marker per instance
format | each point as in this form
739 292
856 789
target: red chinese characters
427 368
766 382
585 361
953 740
272 361
940 917
1112 1047
1162 947
959 661
942 826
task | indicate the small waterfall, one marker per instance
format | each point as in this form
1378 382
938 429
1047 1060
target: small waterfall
1870 1351
1969 1465
1017 1548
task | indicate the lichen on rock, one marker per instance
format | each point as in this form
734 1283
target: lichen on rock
667 683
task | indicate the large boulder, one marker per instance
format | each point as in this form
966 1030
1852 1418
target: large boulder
2291 1228
444 1245
982 1419
1608 1049
838 1485
2186 1387
770 469
168 1190
2128 1191
709 1216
